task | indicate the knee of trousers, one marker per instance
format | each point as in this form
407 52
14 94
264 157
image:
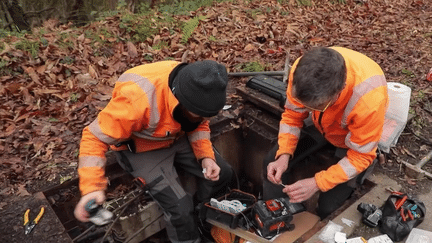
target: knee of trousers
270 157
181 220
179 210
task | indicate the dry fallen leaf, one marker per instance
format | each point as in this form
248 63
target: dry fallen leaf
22 191
132 50
249 47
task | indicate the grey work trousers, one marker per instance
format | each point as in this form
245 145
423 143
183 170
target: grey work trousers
328 201
161 166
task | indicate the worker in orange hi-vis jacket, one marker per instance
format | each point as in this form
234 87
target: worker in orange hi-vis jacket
345 94
158 121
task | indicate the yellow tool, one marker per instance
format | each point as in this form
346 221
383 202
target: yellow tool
28 227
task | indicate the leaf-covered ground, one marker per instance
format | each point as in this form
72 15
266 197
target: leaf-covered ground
54 81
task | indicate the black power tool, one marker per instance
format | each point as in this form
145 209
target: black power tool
371 214
273 216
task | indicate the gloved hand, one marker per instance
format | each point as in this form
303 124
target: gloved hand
211 168
80 213
301 190
276 168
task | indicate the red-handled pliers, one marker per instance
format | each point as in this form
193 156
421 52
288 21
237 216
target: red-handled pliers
28 226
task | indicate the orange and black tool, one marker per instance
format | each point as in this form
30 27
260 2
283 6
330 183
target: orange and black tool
28 226
410 215
140 182
400 202
393 191
402 213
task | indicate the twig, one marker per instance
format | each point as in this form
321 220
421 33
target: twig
114 211
126 203
115 220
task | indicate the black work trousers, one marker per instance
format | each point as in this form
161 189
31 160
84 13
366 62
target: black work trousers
159 169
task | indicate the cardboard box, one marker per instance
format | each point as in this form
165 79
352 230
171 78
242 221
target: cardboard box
303 222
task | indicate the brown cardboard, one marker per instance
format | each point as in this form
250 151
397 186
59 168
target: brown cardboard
303 222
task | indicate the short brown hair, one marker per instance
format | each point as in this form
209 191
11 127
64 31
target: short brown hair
319 76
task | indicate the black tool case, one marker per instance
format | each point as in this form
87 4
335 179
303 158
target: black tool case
230 219
269 86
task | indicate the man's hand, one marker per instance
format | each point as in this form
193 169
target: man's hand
80 213
276 168
211 169
301 190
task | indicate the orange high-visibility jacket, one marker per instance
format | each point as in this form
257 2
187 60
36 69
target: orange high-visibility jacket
355 121
141 109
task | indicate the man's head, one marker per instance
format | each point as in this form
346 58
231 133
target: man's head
319 78
201 87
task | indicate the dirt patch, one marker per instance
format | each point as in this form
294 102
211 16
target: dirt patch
49 228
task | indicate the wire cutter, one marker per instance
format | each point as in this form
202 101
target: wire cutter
28 226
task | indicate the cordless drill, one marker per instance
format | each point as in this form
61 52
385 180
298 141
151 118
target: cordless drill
371 214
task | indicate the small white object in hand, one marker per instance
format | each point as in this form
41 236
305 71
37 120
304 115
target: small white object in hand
204 170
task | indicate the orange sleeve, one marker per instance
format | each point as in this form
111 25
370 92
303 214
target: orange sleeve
365 129
114 123
200 141
92 179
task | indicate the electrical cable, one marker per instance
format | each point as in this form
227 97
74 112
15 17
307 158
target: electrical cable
83 233
112 224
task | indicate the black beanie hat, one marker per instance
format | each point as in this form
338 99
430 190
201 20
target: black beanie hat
201 87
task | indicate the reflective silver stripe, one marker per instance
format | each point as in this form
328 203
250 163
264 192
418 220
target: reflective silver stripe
96 130
195 136
348 168
359 91
90 161
284 128
359 148
291 106
150 91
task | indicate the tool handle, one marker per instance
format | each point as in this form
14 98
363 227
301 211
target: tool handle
140 182
91 207
400 202
39 216
26 216
410 215
402 214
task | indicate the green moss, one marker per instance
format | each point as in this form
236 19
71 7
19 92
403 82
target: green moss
304 2
253 67
30 46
